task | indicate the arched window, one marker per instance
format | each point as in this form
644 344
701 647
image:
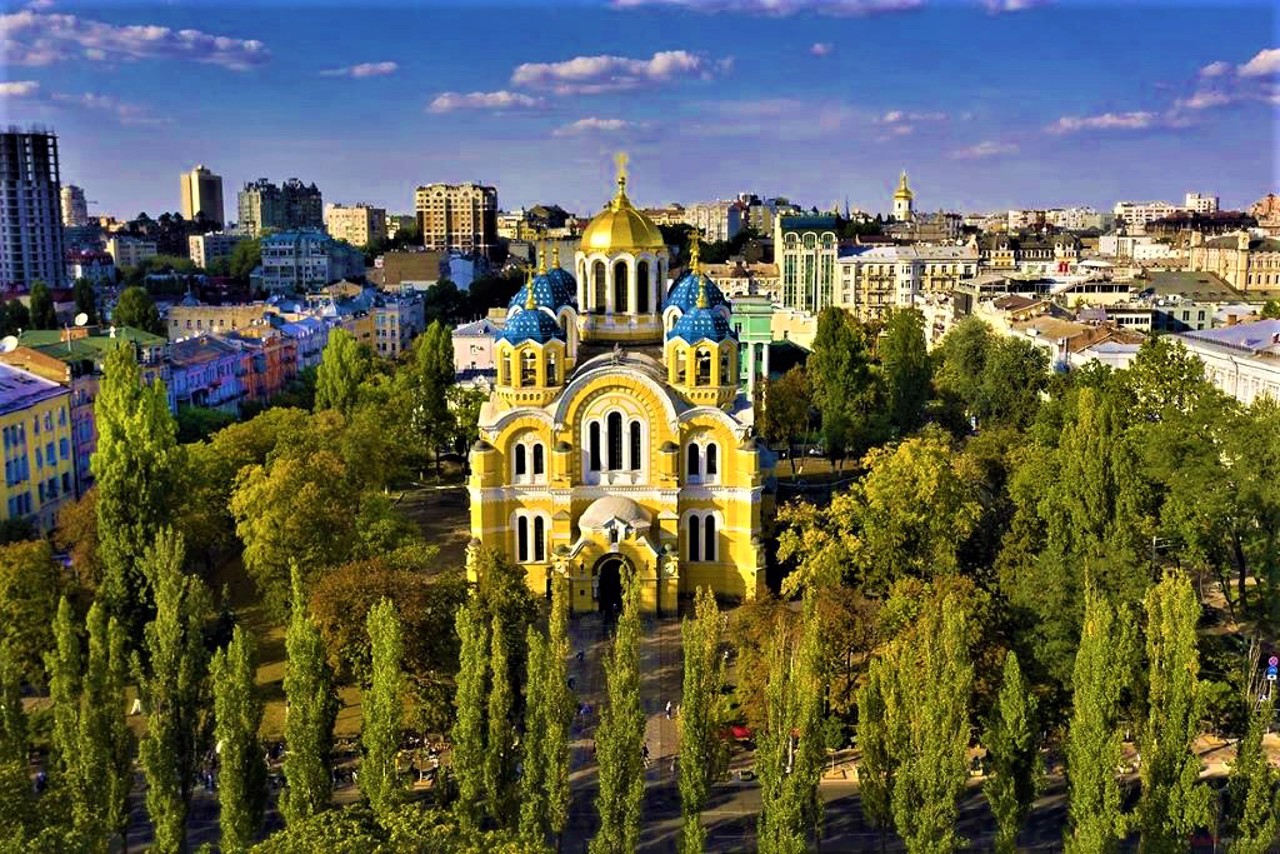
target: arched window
682 367
713 463
599 280
635 446
552 368
507 377
528 368
521 465
593 434
695 529
540 538
725 379
620 288
692 466
522 539
642 288
704 368
614 430
539 460
709 546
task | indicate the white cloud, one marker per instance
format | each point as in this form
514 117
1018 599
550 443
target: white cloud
898 117
125 113
779 8
998 7
364 69
1205 100
19 89
593 74
594 125
32 38
1216 69
1265 63
40 5
1139 120
985 149
447 102
822 48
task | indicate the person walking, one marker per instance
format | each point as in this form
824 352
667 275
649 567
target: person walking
668 710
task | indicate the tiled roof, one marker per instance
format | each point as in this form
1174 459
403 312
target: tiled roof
684 293
533 325
701 324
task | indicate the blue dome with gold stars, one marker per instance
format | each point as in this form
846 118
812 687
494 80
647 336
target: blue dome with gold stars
701 324
684 293
532 324
546 292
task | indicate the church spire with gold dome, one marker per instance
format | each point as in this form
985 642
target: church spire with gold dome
902 200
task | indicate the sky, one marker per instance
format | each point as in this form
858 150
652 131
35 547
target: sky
988 104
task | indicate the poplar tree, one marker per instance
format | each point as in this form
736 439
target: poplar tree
875 766
1107 641
928 679
620 737
382 707
699 698
534 795
237 709
43 313
64 668
173 690
311 709
792 743
134 467
105 742
468 737
907 369
17 810
500 747
1174 803
342 368
1011 744
1254 788
560 709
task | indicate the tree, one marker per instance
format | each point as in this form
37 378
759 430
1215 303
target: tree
106 744
468 736
926 681
500 747
14 317
64 667
1174 804
135 467
1013 375
312 708
1108 640
17 810
620 737
246 256
559 709
43 314
843 385
700 697
237 710
343 366
137 310
444 302
1011 744
786 411
876 767
533 799
791 749
430 375
907 369
1253 788
86 299
1271 309
382 708
294 510
30 586
173 689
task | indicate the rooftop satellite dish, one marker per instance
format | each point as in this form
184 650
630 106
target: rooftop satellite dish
82 319
9 344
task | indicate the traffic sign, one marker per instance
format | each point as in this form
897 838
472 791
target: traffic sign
1273 661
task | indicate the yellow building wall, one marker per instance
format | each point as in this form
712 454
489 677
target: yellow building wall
39 488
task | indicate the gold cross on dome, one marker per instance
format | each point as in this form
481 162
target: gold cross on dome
620 160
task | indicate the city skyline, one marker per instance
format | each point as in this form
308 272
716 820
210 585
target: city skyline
1019 104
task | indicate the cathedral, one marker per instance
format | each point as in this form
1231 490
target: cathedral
616 439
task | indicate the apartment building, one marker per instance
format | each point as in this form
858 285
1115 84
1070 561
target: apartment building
204 249
75 210
39 465
201 192
31 243
265 207
305 260
358 225
458 217
877 280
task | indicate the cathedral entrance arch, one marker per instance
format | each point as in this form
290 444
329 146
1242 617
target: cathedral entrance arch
610 571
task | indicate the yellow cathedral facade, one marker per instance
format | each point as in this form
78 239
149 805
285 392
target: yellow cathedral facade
616 439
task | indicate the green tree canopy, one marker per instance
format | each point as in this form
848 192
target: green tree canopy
43 314
342 368
135 308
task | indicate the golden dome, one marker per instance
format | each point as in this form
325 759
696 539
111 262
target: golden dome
903 192
620 226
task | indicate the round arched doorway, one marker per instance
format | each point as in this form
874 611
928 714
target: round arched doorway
610 571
